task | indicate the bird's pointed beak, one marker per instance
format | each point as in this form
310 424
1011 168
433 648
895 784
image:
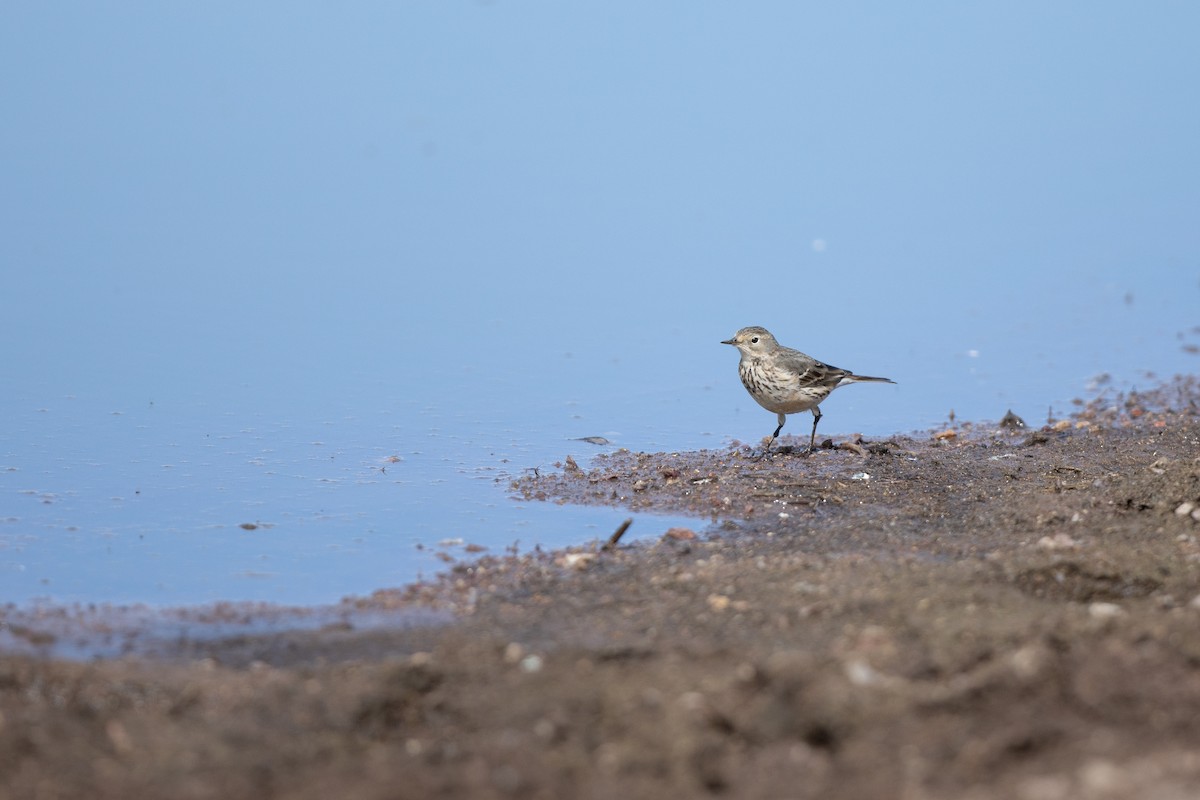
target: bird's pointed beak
729 341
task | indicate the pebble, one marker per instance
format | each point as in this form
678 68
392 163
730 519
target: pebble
860 673
718 602
679 534
1185 509
578 560
1011 420
594 440
1058 542
1105 610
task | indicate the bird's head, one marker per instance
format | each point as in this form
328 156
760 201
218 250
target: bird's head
753 340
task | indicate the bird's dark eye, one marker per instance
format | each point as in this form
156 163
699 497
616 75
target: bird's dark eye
754 340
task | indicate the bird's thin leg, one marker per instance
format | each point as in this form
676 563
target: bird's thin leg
816 418
774 436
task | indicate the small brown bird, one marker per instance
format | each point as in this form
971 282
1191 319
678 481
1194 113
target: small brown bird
787 381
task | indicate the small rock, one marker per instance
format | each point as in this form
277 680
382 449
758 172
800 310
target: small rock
1185 509
578 560
531 664
1105 610
1028 661
680 534
860 673
1011 420
853 447
944 435
594 440
718 602
1060 541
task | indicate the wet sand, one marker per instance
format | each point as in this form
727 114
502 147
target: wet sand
976 612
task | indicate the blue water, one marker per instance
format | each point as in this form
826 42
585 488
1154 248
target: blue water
343 274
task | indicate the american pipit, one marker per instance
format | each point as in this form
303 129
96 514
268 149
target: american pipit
787 381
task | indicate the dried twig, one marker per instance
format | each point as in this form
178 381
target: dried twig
617 534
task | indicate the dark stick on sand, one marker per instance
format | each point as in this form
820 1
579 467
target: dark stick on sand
617 534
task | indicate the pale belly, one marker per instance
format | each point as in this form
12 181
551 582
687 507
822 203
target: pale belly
781 395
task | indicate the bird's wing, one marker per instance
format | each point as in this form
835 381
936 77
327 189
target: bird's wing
809 371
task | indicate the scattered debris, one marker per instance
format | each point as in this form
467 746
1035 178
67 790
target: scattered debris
1059 541
578 560
680 534
1101 610
853 447
1011 420
617 534
594 440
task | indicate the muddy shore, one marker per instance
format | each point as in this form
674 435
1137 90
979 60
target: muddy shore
976 612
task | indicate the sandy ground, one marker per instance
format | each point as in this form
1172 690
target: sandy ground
978 612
